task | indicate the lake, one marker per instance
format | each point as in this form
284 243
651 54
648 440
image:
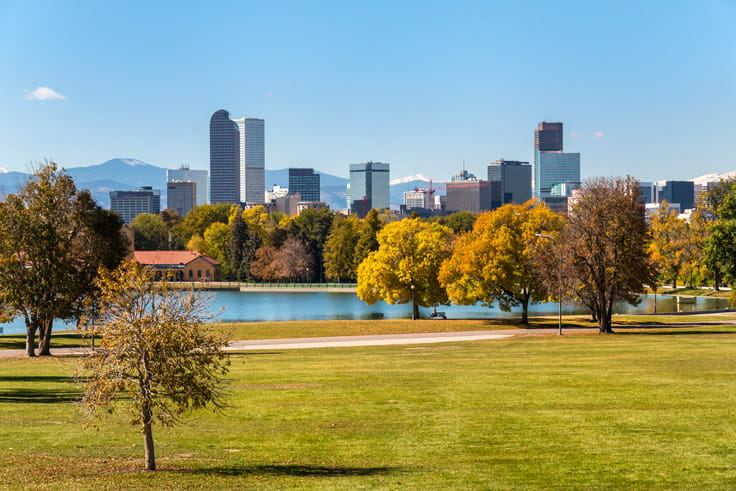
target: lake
285 306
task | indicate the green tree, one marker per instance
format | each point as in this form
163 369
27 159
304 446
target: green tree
605 243
243 242
201 217
459 222
494 262
311 227
53 240
406 265
367 236
340 249
151 233
157 358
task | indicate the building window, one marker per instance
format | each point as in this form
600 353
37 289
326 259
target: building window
191 273
199 273
207 273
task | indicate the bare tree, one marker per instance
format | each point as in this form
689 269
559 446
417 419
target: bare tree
157 358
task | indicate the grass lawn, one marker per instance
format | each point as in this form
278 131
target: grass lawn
632 410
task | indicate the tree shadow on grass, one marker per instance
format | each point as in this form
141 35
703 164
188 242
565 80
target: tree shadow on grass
294 470
649 331
35 378
38 396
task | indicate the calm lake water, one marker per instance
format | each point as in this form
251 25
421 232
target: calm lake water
285 306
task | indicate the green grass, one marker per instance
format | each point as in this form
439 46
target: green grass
632 410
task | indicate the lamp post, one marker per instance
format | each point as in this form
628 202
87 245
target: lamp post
413 316
559 280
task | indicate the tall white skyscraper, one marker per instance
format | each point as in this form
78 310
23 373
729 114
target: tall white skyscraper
252 160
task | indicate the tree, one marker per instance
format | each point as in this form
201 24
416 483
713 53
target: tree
605 246
311 227
53 240
151 233
494 262
406 265
242 245
290 262
340 249
201 217
669 240
157 358
459 222
367 237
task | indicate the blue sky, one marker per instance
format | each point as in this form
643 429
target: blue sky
645 88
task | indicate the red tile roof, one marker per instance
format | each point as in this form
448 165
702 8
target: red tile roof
161 258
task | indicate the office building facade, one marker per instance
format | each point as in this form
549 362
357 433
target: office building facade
237 159
130 204
305 182
551 164
224 159
369 187
252 154
197 176
181 196
510 181
681 192
468 195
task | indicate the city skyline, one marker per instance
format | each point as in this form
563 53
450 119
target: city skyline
651 102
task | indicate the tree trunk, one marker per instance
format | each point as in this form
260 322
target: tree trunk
525 311
30 340
415 309
604 324
44 334
148 438
674 283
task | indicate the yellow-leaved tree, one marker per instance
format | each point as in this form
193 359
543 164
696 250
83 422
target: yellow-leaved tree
406 265
494 262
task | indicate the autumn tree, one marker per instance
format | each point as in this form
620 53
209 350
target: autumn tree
340 247
459 222
199 219
406 265
53 239
151 233
289 262
669 241
494 262
605 244
157 358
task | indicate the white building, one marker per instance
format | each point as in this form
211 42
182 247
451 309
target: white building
252 160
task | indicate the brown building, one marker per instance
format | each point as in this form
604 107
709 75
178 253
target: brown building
180 265
469 195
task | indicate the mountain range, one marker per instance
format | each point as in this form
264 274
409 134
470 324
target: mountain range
123 174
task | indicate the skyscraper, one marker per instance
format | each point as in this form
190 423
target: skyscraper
468 195
305 182
551 165
252 160
224 159
130 204
181 196
199 177
369 187
237 159
510 182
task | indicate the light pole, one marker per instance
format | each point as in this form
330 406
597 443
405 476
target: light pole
413 316
559 280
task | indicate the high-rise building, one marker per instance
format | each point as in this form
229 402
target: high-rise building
252 160
237 159
224 159
681 192
551 165
468 195
130 204
369 187
548 137
305 182
185 174
181 196
510 182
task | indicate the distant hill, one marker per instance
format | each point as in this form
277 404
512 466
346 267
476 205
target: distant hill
125 174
